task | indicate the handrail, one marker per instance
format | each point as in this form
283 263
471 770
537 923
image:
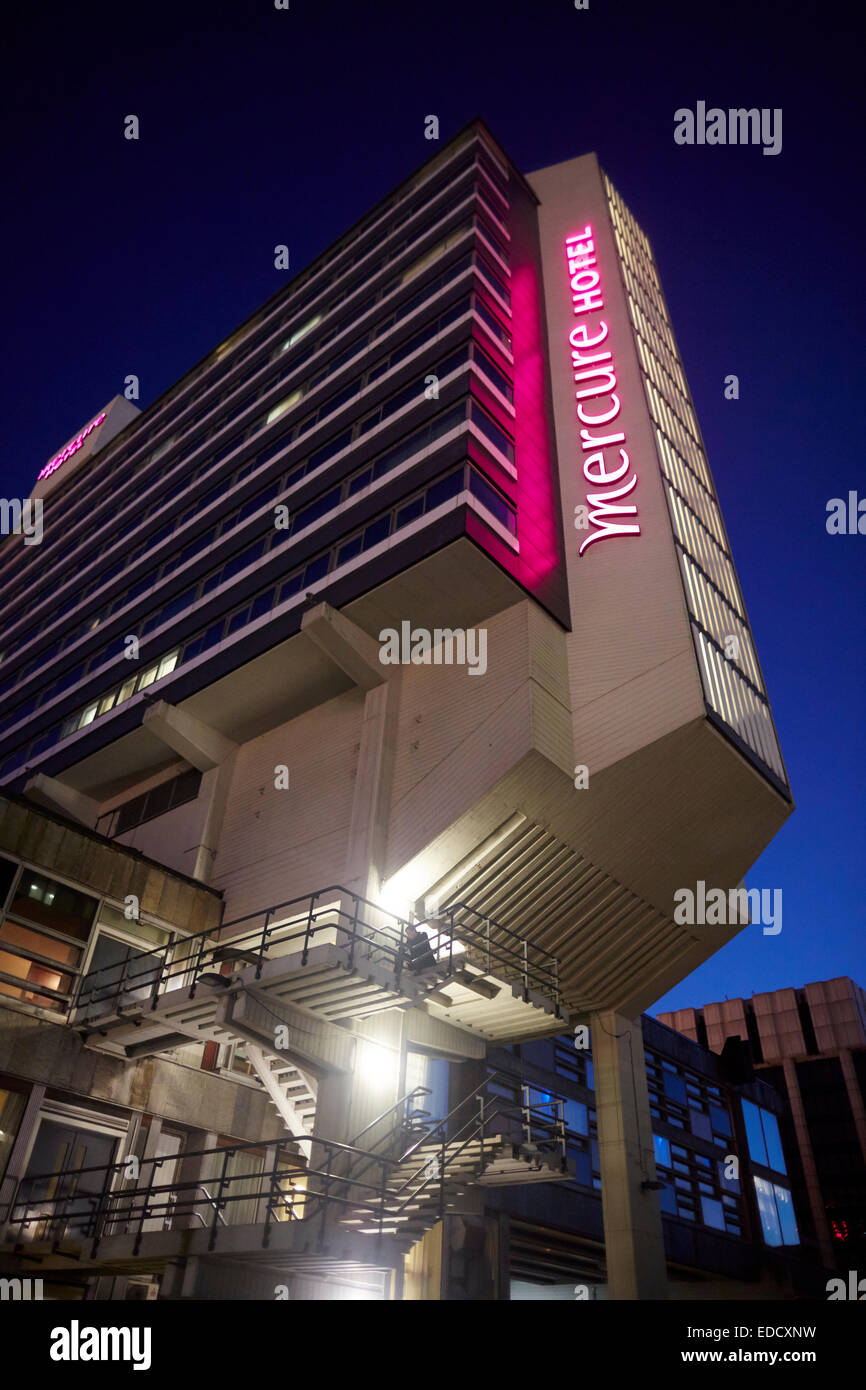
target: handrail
418 1091
182 961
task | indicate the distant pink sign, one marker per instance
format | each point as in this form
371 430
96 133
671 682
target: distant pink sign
71 448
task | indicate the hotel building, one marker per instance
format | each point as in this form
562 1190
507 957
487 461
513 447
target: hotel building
462 437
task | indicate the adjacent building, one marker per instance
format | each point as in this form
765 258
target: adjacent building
810 1045
412 601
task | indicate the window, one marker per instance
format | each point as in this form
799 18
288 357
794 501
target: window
662 1150
54 905
157 801
301 332
445 489
483 422
280 409
776 1210
762 1133
493 501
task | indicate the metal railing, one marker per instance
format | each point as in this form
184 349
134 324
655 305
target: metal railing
93 1203
360 927
346 1185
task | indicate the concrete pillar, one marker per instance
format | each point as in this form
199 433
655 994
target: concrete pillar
855 1099
633 1237
219 792
807 1158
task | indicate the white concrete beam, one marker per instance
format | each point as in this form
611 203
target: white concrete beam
57 796
348 646
194 740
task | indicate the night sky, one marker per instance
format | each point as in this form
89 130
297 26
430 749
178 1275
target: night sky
261 126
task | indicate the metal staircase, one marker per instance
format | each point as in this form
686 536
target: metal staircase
429 1167
330 954
291 1091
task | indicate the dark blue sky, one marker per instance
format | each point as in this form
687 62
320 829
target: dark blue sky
261 126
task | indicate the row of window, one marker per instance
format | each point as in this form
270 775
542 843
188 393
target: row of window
464 478
300 521
737 704
732 682
143 465
177 791
697 1188
272 450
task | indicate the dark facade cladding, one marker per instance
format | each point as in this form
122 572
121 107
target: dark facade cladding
810 1045
716 1229
324 403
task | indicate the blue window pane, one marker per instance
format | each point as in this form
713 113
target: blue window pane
350 550
728 1184
663 1151
767 1209
492 501
590 1076
237 620
720 1121
668 1200
700 1124
713 1213
377 532
772 1138
317 569
261 605
241 561
213 635
575 1117
443 490
317 509
583 1169
787 1219
362 480
273 449
755 1133
675 1087
330 449
291 587
410 512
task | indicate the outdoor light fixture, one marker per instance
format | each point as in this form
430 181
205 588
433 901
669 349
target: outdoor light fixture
376 1064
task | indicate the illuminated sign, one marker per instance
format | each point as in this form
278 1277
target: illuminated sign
71 448
595 378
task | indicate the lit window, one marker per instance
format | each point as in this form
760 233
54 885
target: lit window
301 332
283 406
88 716
167 664
147 677
663 1151
776 1209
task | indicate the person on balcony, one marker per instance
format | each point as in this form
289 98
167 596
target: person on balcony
419 956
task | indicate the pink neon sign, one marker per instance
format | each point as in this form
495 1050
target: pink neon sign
71 448
595 376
